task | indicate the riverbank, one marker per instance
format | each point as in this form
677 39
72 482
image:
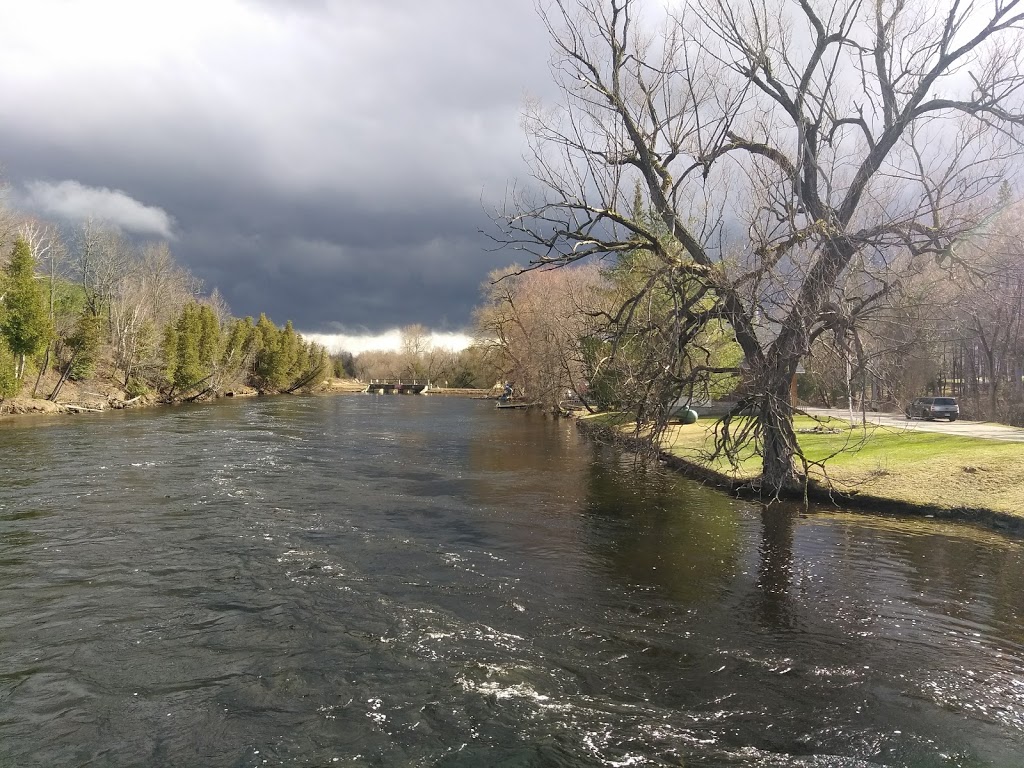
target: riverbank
96 396
873 469
89 396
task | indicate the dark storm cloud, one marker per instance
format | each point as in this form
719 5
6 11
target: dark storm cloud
356 288
327 162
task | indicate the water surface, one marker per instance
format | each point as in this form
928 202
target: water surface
417 581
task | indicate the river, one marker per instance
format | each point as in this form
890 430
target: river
422 581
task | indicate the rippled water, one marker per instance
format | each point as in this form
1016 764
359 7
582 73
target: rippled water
416 581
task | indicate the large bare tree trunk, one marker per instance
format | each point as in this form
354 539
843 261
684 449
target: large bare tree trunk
779 474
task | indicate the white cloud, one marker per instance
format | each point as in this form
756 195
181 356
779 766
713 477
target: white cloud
74 201
357 343
390 341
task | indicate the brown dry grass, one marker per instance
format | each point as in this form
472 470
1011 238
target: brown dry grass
945 472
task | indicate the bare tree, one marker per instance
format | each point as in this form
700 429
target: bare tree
987 324
535 323
795 158
217 303
147 297
419 358
103 260
379 364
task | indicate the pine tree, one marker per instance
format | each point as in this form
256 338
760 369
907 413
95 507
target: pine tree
209 338
25 323
291 362
189 371
267 366
9 386
239 347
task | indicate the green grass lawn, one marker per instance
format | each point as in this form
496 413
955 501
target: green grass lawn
920 468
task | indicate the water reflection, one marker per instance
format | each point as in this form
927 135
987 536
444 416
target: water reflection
524 463
528 443
654 530
775 606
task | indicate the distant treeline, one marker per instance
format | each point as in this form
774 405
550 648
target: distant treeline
92 303
420 360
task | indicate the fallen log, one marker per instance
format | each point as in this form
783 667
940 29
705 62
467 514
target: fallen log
82 409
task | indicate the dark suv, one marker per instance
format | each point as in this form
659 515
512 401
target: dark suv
933 408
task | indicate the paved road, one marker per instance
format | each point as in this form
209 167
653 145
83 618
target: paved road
896 421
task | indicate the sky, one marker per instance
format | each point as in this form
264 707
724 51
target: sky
332 162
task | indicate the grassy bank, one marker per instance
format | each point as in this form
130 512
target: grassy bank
950 475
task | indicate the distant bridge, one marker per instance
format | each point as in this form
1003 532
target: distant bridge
395 386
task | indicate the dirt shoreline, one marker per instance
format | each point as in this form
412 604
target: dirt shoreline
992 519
17 407
95 396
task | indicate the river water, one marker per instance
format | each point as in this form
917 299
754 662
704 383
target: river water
418 581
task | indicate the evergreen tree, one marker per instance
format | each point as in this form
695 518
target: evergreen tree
209 338
25 323
191 350
312 364
239 347
292 361
267 371
283 361
189 371
344 365
9 386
